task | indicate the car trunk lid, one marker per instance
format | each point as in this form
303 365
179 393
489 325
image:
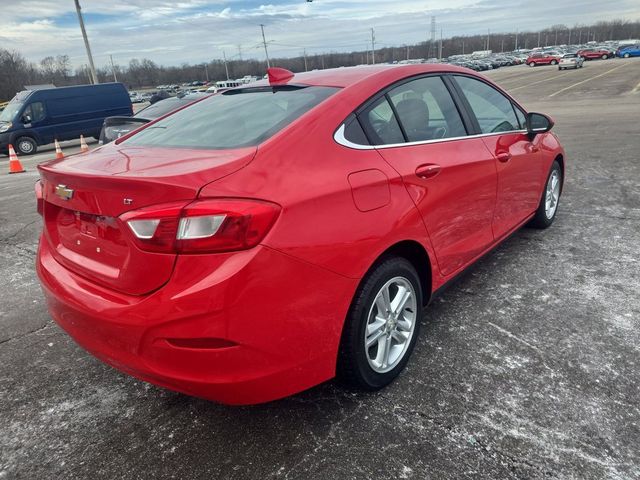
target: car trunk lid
84 196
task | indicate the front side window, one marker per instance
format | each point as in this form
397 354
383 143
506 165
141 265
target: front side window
34 112
426 110
234 119
494 112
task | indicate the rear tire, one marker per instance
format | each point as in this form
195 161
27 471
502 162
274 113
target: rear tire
626 55
554 62
548 207
26 146
380 331
605 56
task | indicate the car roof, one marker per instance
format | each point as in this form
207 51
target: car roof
347 76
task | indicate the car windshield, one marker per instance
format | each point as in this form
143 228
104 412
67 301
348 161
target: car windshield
237 118
9 112
570 55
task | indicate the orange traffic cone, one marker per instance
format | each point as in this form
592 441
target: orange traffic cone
83 145
14 164
59 153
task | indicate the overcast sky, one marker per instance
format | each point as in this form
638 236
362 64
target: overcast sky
195 31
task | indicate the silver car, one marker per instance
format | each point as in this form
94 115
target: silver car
570 60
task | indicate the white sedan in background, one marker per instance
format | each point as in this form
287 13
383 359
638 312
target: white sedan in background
570 60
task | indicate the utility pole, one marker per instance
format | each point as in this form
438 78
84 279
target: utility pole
488 35
226 68
304 52
264 42
113 69
463 46
407 52
502 45
538 38
206 72
432 43
579 37
440 47
240 52
373 47
94 77
569 42
556 38
516 40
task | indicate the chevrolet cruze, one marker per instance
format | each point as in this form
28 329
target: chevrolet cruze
267 239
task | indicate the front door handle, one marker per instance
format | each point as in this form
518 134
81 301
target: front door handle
503 157
428 170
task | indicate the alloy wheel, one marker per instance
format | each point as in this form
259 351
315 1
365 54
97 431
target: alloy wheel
390 325
552 194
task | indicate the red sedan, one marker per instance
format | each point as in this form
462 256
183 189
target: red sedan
267 239
543 58
595 53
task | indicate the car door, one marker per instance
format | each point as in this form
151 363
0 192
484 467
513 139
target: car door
518 160
420 132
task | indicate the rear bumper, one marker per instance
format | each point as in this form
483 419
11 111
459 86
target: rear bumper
239 328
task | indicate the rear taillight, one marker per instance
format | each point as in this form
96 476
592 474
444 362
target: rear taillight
39 197
204 226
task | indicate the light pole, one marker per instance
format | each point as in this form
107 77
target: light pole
373 47
94 77
264 42
113 69
226 69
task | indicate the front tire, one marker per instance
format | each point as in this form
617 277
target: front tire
548 207
553 62
26 146
532 64
382 325
626 55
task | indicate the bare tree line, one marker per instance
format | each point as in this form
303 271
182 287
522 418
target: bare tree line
16 71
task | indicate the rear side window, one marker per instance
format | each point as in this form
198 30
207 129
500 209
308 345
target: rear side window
237 118
426 110
494 112
381 124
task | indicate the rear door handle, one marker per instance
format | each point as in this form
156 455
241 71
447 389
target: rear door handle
503 157
428 170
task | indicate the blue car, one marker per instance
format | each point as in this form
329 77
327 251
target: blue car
628 51
38 117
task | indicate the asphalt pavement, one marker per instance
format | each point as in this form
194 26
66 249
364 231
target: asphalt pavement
528 367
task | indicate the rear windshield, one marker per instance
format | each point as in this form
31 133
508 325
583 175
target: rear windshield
237 118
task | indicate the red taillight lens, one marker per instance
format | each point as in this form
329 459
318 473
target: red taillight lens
39 197
204 226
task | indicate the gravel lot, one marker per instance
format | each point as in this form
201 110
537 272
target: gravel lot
528 367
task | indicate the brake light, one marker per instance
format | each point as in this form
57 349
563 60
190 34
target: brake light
39 197
203 226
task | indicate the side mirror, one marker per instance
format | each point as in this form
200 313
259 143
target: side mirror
26 118
538 123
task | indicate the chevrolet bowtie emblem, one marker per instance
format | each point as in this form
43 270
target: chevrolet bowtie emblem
64 193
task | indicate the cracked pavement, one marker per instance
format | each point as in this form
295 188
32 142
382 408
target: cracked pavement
528 367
